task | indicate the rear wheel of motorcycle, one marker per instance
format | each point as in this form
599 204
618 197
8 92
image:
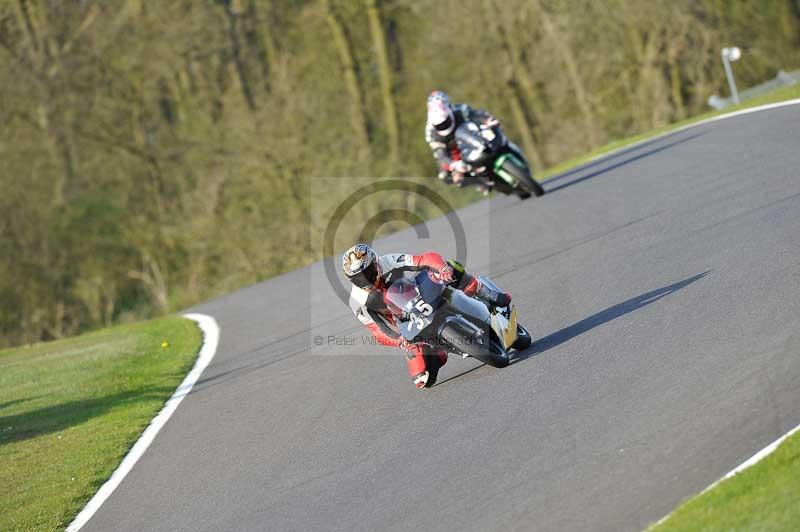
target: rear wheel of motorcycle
487 351
526 182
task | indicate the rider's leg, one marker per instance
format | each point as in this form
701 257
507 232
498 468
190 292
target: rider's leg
476 288
471 285
423 363
435 358
415 361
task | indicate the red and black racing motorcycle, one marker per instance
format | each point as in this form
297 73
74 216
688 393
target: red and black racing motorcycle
431 312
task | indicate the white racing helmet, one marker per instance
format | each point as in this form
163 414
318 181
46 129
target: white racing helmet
440 114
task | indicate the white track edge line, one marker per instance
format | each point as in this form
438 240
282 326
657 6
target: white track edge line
210 330
732 114
760 455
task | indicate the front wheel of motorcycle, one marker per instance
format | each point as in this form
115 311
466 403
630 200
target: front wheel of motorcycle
523 340
527 184
484 349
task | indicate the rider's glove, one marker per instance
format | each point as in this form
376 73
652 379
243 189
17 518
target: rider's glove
445 275
459 167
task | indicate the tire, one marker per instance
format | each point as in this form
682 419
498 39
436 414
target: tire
526 182
523 340
492 354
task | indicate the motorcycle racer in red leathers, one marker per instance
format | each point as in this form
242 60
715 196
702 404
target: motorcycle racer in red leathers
371 275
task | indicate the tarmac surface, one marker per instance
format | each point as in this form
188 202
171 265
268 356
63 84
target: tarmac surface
661 285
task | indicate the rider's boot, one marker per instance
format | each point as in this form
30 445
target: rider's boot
434 359
485 188
424 364
486 294
415 360
421 380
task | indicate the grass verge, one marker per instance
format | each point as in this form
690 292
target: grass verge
765 496
71 409
777 95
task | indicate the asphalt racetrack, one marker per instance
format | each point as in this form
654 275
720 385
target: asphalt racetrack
662 288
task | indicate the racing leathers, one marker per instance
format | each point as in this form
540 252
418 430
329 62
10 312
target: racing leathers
444 147
369 306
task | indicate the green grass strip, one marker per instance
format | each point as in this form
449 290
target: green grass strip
70 410
765 496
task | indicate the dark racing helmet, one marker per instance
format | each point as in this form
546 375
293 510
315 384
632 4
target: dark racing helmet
360 265
440 113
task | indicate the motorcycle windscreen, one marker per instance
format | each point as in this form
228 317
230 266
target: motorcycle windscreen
414 303
472 146
471 307
429 289
400 295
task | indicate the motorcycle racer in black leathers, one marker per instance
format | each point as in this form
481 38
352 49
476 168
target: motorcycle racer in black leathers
443 119
509 171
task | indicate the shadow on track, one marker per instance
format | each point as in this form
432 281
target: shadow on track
613 166
448 379
548 342
595 320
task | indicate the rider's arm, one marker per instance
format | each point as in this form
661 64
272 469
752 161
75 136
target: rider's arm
383 334
380 331
479 116
400 262
439 149
429 261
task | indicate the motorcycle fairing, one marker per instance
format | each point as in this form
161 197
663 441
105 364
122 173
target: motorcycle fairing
498 168
505 328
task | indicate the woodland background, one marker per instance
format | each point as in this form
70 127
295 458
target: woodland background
155 154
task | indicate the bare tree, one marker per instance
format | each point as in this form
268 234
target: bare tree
351 79
558 34
385 72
